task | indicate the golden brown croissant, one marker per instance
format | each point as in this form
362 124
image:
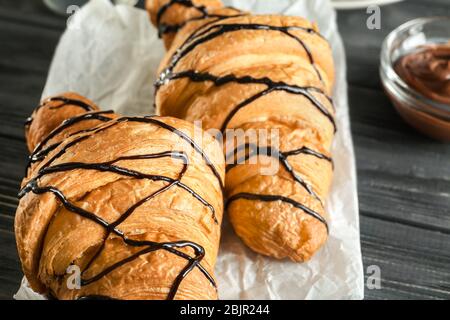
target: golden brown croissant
52 112
134 202
257 73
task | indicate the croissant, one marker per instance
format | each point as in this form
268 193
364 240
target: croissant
271 74
118 207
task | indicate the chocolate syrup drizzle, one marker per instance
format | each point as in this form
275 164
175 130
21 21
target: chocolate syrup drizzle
64 102
252 150
204 14
186 3
112 228
271 87
273 198
39 153
204 34
212 30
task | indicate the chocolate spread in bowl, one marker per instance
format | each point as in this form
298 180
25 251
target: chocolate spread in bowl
427 71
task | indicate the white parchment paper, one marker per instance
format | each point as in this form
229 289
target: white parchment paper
110 55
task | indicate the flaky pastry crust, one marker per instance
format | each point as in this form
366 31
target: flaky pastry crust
134 202
238 71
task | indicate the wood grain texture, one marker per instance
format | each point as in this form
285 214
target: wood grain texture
403 177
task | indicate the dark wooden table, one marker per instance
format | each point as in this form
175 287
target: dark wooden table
403 177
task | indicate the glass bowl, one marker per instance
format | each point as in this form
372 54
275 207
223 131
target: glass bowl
428 116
